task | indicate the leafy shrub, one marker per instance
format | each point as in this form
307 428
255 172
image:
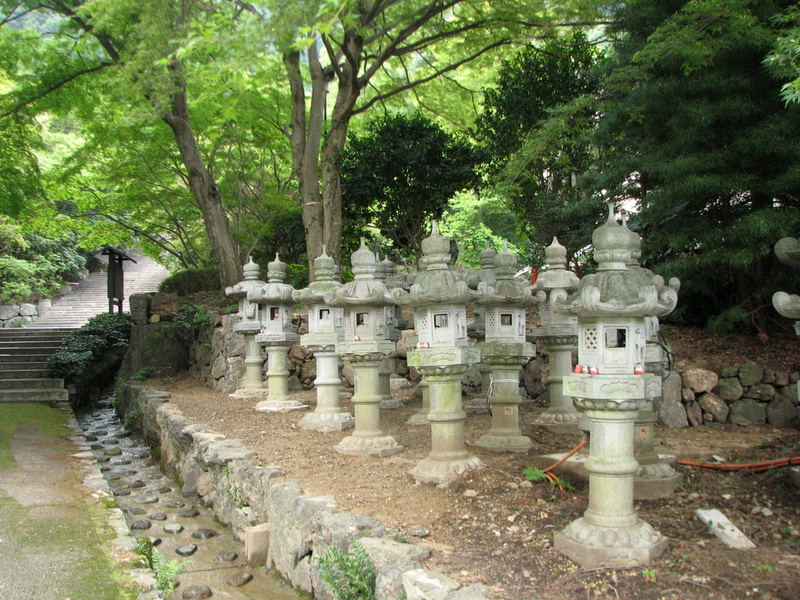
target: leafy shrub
191 281
351 575
89 356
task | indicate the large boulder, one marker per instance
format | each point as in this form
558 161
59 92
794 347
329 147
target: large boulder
748 412
700 380
729 389
760 391
750 373
669 407
158 348
715 406
781 412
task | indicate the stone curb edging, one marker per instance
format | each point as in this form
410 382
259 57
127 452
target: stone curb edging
100 493
255 500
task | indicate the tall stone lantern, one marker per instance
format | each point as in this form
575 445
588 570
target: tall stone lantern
559 333
369 332
384 269
612 306
788 305
325 330
503 351
277 335
485 274
249 325
443 353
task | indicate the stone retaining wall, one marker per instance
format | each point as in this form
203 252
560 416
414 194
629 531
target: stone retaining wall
260 504
743 394
22 315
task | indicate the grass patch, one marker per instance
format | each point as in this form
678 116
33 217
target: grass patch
50 420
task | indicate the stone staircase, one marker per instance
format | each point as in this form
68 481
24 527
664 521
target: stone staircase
24 353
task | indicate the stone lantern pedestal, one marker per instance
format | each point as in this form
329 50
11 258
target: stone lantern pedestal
325 330
421 417
249 325
612 307
277 336
367 341
443 354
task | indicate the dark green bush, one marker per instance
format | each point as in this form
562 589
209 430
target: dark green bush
89 356
191 281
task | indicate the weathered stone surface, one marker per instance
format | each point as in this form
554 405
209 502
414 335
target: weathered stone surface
141 524
197 592
240 579
8 311
687 395
669 407
760 391
17 322
348 372
339 528
789 392
173 528
781 412
166 306
301 576
700 380
147 499
28 310
186 550
382 551
389 579
716 406
750 373
159 516
204 534
534 377
421 584
694 413
748 412
476 591
768 377
781 378
139 306
227 556
729 389
155 347
730 371
189 512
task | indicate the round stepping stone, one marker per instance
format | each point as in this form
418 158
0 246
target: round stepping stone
113 452
90 438
96 446
186 550
119 461
158 516
122 492
155 541
135 510
164 489
197 592
135 485
100 432
240 579
189 512
114 477
102 459
129 472
176 504
105 469
227 556
141 524
111 441
141 454
204 534
173 528
147 499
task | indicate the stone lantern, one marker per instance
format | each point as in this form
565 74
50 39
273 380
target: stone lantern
559 333
277 335
249 325
325 330
788 305
389 365
503 351
485 274
612 306
443 353
655 477
368 339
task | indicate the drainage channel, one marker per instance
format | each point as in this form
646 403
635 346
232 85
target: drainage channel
180 528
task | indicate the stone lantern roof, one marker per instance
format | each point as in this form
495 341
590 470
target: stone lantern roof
437 284
485 273
325 282
365 289
556 275
616 290
247 311
507 290
275 290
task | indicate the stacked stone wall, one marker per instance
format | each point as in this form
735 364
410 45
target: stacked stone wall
249 497
21 315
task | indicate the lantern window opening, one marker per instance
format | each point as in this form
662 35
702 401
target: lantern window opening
616 337
274 313
506 319
362 318
324 314
440 321
590 338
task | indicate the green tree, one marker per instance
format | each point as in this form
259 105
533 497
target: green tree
536 123
401 173
695 130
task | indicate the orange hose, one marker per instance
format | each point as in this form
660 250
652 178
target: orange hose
754 467
571 452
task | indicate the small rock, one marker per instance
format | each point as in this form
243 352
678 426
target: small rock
163 490
135 510
240 579
158 516
186 550
119 461
136 484
176 504
122 492
173 528
155 541
227 556
204 534
526 484
188 512
418 531
767 512
141 524
727 496
470 494
197 592
147 499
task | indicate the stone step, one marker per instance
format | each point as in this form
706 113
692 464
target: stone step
22 366
28 347
22 373
23 358
34 395
31 384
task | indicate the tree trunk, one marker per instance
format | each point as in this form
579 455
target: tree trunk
202 185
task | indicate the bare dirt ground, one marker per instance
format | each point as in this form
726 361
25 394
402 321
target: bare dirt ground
494 527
